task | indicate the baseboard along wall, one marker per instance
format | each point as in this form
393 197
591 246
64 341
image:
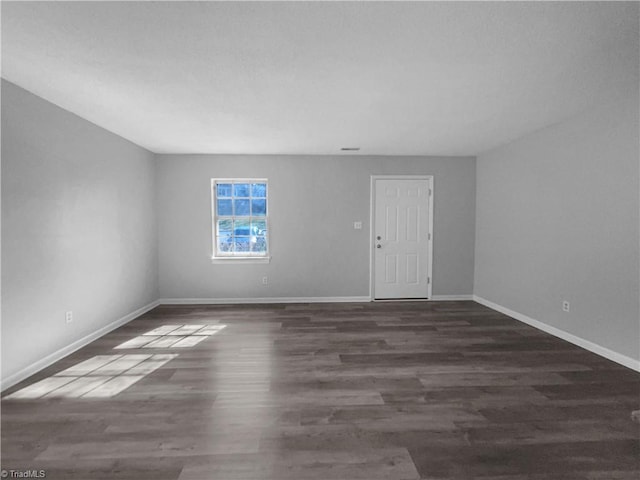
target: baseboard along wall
452 298
237 301
569 337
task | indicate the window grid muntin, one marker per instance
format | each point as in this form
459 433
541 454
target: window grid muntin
250 218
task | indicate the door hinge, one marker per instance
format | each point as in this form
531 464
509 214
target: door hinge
428 279
429 237
429 192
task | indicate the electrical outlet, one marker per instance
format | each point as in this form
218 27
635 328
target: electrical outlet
566 306
357 225
265 280
68 317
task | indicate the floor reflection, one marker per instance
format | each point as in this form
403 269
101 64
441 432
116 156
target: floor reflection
244 408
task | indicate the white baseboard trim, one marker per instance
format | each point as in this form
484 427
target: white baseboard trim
234 301
569 337
69 349
451 297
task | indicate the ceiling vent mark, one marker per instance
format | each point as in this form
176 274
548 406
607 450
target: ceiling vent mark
350 149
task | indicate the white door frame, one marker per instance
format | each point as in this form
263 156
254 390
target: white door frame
372 213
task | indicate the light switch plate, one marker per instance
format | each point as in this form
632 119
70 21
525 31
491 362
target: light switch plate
357 225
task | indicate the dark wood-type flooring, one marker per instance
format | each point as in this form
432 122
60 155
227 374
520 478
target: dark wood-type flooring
418 390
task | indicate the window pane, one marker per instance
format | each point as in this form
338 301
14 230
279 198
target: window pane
259 207
242 228
225 244
224 207
258 227
225 230
241 190
225 227
259 244
259 190
241 207
243 244
223 189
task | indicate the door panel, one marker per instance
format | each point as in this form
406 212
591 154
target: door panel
391 224
413 224
391 269
412 268
401 231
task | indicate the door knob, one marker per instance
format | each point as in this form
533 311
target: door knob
378 237
378 246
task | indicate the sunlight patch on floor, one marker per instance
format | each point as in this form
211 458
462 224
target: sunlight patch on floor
172 336
102 376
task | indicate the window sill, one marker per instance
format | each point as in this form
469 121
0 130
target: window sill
242 260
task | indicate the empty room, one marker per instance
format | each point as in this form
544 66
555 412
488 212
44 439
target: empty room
320 240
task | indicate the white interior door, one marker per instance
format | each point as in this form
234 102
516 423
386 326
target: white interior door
402 238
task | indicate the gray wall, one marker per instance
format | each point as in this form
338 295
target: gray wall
314 201
557 218
78 228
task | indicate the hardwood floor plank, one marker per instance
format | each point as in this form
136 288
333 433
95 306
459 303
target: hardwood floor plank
370 464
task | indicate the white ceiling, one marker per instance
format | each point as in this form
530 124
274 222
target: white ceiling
432 78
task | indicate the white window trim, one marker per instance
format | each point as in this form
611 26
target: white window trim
243 260
247 259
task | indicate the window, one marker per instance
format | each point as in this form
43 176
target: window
240 218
